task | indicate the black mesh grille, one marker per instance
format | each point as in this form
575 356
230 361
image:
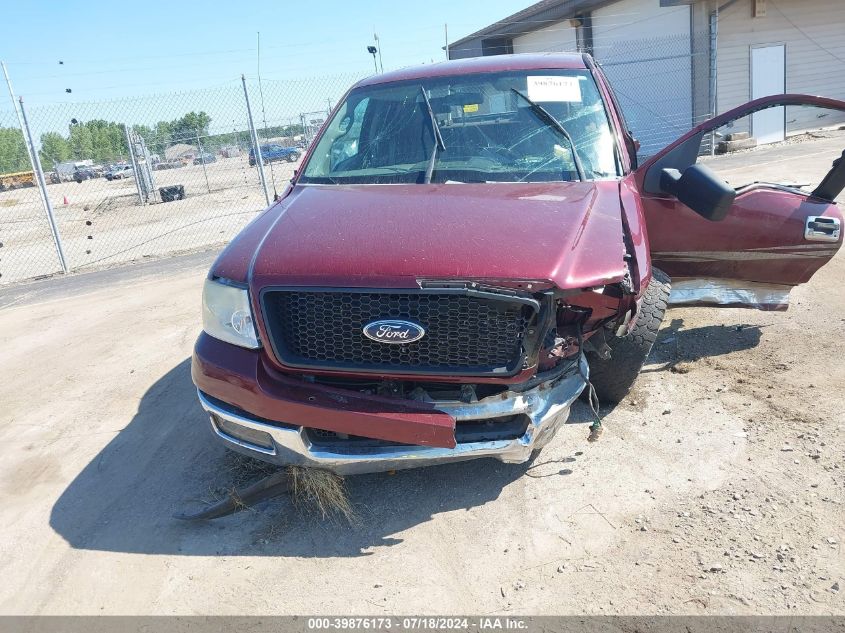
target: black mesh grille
476 335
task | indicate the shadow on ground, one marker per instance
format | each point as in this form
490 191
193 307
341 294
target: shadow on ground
166 460
676 345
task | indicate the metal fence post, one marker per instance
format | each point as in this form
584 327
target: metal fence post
148 169
42 185
29 150
713 83
304 130
256 147
202 160
134 164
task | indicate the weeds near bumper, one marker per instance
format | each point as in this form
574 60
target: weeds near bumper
312 489
323 491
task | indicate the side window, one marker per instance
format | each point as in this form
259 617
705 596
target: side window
789 146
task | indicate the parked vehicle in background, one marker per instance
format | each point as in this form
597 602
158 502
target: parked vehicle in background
66 171
84 173
518 254
119 171
275 152
169 164
17 180
204 158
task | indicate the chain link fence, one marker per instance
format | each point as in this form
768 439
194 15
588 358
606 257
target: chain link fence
27 248
162 174
152 176
662 84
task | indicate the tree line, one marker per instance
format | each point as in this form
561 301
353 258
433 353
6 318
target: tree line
105 141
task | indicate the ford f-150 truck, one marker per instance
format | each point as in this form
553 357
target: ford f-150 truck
467 246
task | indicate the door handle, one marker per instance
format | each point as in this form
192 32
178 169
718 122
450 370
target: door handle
822 229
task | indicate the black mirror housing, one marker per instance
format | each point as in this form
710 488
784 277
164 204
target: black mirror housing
700 189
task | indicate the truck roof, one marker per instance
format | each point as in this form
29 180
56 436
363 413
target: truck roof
490 64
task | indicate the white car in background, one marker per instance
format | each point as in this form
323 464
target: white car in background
119 171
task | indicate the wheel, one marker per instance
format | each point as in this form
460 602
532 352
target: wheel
613 377
292 158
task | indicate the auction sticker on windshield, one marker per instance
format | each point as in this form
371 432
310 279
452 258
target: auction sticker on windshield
552 88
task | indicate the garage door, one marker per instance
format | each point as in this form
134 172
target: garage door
557 38
645 51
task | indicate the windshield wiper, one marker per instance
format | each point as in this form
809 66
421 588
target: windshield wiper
544 114
438 137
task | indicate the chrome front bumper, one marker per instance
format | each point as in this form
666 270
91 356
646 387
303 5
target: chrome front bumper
546 406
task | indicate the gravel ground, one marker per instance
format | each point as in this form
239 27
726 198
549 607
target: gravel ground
717 487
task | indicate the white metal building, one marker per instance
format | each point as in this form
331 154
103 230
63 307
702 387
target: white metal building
673 62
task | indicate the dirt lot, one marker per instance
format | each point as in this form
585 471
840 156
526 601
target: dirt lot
717 487
103 225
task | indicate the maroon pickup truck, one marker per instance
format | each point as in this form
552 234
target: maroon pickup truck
464 245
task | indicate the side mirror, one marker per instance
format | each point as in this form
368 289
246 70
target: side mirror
700 189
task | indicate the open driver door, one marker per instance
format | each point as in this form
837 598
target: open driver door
743 247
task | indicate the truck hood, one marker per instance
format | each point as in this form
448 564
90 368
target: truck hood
393 235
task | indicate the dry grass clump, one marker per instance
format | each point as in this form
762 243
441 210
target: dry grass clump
245 471
322 490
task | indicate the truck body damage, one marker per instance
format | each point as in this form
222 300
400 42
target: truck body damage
366 323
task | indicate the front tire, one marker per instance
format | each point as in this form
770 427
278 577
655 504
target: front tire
614 377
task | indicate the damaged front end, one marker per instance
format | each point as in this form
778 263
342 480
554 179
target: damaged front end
349 420
508 426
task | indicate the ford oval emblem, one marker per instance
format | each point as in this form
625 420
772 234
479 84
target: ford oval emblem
393 331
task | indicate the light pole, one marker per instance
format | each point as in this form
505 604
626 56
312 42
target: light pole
372 50
378 45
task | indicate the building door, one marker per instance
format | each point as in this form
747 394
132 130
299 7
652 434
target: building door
768 77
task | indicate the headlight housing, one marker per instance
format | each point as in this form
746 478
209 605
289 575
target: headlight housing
227 314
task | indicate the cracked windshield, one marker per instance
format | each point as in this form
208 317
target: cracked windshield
542 126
